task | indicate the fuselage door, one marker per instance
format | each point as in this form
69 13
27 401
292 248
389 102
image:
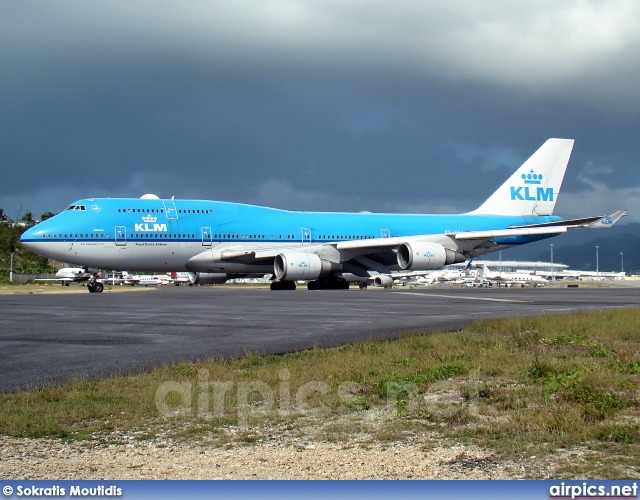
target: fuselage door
206 236
385 233
121 236
170 209
306 235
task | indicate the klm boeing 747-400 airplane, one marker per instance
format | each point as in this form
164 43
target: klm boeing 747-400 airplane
217 241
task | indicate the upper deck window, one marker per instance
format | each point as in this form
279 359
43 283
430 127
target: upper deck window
82 208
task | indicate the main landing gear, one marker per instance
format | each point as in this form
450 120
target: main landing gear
283 285
326 284
94 286
330 284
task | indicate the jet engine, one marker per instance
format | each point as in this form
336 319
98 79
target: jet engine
302 266
426 256
210 278
383 280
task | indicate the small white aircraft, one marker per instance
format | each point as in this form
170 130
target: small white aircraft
141 279
68 275
394 278
510 279
183 278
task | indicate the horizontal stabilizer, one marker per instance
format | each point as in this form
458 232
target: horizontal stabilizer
547 228
608 220
598 221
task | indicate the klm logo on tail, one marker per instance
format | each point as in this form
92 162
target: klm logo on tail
529 192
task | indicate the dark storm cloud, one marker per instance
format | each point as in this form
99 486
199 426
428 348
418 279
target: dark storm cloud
311 105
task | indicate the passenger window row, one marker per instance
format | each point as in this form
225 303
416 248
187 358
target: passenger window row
150 210
157 235
67 235
216 236
141 210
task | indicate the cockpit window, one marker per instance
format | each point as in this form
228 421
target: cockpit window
82 208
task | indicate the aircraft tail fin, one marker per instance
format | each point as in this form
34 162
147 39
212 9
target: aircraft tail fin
532 189
484 270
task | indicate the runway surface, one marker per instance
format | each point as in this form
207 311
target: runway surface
47 339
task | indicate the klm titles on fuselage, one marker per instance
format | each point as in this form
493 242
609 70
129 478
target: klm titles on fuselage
146 227
149 224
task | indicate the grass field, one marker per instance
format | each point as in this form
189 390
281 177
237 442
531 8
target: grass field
518 386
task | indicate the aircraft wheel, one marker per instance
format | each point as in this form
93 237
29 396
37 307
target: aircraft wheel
98 287
90 288
362 286
283 285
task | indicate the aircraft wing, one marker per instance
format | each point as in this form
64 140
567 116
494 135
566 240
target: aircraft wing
356 247
363 247
378 254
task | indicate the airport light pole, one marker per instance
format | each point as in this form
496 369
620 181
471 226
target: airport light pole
622 262
11 269
552 268
597 262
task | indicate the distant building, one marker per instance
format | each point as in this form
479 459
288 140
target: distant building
514 266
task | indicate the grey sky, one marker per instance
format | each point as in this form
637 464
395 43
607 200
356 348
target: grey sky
334 105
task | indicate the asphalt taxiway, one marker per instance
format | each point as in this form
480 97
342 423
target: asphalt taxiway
48 339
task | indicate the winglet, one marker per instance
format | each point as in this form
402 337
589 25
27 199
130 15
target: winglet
608 220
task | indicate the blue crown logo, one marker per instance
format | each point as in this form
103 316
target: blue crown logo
532 178
149 218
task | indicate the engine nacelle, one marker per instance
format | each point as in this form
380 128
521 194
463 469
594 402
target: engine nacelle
426 256
302 266
383 280
210 278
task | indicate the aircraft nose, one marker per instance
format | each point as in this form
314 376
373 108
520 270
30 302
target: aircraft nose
28 238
